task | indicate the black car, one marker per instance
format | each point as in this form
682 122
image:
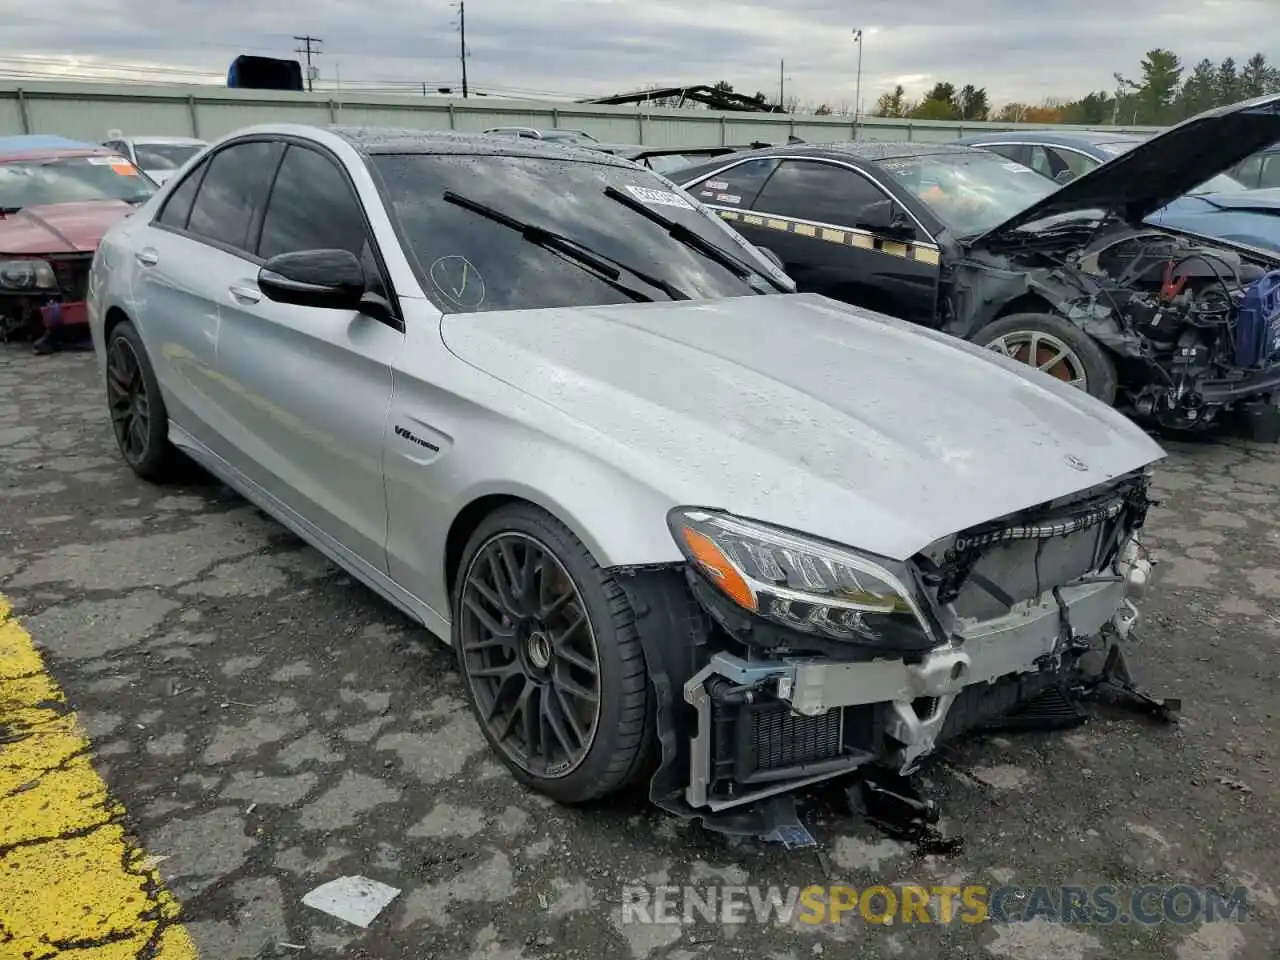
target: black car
1068 279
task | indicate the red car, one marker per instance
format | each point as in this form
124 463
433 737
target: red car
57 198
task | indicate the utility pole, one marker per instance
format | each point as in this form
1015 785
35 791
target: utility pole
306 48
462 35
782 84
857 96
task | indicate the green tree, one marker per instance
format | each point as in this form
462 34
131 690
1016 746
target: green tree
722 86
892 104
972 103
1254 77
823 110
1161 78
1200 90
1228 83
1090 110
933 108
943 93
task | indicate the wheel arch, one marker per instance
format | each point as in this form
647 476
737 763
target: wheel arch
1030 302
114 317
614 535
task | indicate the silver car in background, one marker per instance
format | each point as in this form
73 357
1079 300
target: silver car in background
159 157
677 522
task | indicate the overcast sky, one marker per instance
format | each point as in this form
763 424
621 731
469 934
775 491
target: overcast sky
1017 49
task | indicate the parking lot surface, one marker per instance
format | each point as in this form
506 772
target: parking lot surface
267 725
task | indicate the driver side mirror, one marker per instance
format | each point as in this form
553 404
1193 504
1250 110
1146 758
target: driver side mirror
1064 176
326 280
885 217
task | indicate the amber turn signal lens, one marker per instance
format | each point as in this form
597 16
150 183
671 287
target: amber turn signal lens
717 565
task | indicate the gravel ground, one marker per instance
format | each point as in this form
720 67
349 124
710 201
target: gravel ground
271 725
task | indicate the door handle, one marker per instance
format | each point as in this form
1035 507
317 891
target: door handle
246 293
147 257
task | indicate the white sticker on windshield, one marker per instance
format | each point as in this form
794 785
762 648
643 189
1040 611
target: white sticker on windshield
717 185
663 198
1017 167
106 161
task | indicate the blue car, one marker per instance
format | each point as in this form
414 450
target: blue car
1221 208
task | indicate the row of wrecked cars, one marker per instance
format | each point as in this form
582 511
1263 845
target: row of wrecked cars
887 534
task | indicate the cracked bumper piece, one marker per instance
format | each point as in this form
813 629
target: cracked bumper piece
766 726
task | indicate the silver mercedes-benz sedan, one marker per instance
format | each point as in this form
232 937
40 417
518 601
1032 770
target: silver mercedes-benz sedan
679 523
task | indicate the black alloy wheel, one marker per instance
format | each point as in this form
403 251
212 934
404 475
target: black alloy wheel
531 655
551 661
138 415
127 397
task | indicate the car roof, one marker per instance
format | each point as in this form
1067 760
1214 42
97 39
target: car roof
39 146
183 141
1066 138
850 151
384 140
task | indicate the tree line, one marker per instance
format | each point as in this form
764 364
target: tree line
1163 92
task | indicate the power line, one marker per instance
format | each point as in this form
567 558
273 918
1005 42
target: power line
307 42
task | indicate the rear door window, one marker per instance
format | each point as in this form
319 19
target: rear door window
738 186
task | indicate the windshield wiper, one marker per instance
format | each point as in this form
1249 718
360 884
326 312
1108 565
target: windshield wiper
604 267
5 211
694 240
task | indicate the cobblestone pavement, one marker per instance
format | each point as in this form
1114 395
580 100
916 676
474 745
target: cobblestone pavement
269 725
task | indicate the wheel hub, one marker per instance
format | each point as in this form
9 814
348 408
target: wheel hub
538 650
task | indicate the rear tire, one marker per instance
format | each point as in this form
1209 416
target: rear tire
138 416
550 658
1061 349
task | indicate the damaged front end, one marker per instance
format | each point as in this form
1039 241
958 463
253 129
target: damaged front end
41 293
798 661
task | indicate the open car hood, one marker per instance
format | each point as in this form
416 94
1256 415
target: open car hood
1137 183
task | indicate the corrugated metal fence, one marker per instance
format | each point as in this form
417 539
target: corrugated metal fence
88 111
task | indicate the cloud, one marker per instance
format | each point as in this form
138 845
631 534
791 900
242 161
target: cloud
1017 50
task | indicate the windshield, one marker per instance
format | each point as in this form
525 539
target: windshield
467 262
165 156
969 192
37 182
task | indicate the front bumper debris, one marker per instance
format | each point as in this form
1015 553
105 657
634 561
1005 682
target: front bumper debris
796 719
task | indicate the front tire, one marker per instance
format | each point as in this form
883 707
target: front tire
138 416
550 658
1055 346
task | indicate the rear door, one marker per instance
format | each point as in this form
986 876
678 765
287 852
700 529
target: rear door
813 214
306 390
187 259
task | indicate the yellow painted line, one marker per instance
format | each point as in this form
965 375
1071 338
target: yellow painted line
73 882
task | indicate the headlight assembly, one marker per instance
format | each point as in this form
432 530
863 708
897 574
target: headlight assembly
804 584
27 275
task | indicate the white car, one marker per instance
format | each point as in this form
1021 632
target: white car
158 157
664 510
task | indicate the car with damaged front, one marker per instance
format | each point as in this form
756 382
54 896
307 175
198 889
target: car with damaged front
681 525
57 197
1070 279
1221 208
